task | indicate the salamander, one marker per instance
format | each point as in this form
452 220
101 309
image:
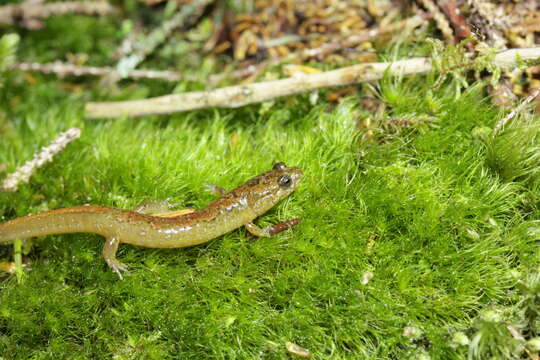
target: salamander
235 208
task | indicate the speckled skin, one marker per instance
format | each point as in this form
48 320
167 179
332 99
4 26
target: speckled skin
234 209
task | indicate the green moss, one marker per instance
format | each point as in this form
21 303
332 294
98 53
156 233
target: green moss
422 208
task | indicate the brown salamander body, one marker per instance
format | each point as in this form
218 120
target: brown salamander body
235 208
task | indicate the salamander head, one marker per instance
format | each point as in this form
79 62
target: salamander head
267 189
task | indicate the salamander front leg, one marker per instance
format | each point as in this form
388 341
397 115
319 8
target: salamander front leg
109 253
271 230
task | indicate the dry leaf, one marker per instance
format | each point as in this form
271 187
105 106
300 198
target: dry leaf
8 267
297 350
295 70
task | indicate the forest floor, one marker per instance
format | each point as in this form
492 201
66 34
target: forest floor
420 232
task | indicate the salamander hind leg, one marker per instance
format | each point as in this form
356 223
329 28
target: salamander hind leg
109 253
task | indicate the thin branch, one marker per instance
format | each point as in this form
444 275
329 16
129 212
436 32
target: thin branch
324 49
236 96
363 36
514 112
142 48
23 173
63 69
12 14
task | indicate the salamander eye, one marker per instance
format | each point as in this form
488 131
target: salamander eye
285 181
279 166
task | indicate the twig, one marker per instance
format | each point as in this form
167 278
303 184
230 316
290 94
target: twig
514 112
282 40
12 14
363 36
23 173
236 96
63 69
322 50
187 15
